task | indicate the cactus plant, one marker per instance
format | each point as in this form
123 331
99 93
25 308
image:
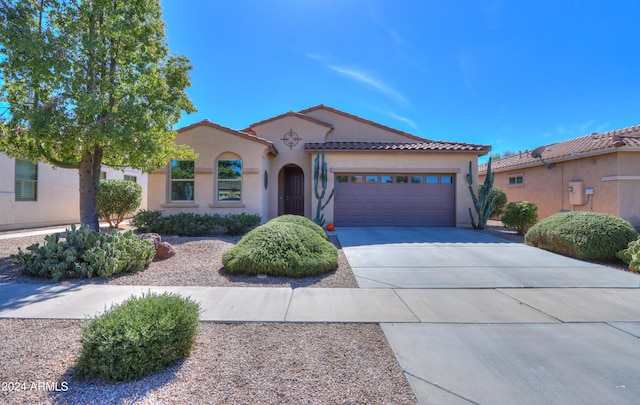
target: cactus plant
483 203
631 255
320 179
85 253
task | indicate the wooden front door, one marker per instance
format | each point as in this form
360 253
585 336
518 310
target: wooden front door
293 190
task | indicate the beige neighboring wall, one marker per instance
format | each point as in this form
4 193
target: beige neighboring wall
613 177
58 197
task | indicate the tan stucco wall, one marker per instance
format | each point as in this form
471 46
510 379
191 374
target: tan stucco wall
57 196
348 129
211 144
274 131
614 178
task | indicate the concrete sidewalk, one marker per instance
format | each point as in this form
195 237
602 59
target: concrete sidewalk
246 304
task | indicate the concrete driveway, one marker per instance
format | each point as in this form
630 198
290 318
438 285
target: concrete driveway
501 322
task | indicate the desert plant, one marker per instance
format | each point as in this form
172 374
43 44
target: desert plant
631 255
147 221
190 224
320 173
85 253
583 235
499 199
117 198
297 219
483 203
138 337
520 215
281 248
238 224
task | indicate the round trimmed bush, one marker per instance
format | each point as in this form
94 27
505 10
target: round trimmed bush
281 248
139 337
583 235
307 223
520 215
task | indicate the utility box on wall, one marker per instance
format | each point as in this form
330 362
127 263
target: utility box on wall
577 195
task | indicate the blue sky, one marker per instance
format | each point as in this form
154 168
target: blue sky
514 74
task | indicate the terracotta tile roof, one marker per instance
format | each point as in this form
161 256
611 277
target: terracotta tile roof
287 114
242 134
428 146
589 145
355 117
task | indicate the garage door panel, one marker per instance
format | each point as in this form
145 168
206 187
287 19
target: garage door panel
397 204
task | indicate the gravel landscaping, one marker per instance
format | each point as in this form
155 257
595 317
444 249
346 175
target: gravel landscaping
198 262
268 363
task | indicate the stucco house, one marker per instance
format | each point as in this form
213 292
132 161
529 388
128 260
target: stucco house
36 194
383 176
598 172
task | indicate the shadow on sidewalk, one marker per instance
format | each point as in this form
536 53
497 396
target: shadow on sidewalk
15 296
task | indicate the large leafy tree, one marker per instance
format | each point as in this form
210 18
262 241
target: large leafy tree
88 83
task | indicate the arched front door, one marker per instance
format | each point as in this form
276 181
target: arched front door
293 190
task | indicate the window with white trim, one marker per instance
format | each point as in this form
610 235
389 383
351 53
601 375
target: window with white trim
515 180
229 180
128 177
182 180
26 178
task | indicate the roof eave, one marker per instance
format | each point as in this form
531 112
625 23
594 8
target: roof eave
565 158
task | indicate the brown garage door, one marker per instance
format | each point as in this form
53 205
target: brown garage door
395 200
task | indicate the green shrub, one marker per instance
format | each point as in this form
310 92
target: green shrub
85 253
520 215
147 221
281 249
190 224
139 337
307 223
238 224
499 199
583 235
117 198
631 255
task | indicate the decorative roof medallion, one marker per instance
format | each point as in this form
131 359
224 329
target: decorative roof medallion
290 139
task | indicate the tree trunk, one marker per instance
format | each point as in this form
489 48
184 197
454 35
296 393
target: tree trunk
89 177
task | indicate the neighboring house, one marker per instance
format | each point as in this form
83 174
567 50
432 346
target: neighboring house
37 194
383 176
598 172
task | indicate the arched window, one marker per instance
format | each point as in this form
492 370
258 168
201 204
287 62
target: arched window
229 178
